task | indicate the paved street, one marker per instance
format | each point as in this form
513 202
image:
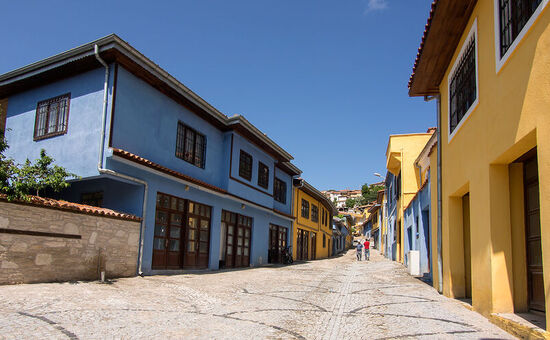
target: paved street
337 298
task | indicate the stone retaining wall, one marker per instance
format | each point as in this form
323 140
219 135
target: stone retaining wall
40 244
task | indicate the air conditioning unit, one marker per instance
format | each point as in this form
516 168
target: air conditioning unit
414 262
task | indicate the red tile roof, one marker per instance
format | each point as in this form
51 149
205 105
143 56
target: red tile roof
73 207
424 36
153 165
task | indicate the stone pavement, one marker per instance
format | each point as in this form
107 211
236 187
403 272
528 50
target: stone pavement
338 298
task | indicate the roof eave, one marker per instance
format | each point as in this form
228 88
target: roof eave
444 28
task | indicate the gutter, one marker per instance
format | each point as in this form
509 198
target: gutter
102 170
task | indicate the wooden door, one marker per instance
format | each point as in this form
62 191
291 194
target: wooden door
273 254
299 245
231 220
197 248
467 246
313 246
167 241
305 245
535 280
282 241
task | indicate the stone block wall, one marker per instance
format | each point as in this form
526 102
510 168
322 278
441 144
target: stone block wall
39 244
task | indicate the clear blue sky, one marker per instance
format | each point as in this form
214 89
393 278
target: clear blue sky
327 80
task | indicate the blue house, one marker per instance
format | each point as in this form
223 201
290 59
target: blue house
210 188
390 243
417 215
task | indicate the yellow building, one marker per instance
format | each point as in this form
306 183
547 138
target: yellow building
401 153
487 64
312 232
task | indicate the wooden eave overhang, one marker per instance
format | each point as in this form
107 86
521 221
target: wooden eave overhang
446 23
113 49
313 192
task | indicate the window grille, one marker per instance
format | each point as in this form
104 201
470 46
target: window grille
463 87
52 117
190 145
513 15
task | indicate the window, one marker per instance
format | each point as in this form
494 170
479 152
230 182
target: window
245 165
190 145
52 117
314 213
324 240
513 16
305 208
280 191
93 198
263 175
462 82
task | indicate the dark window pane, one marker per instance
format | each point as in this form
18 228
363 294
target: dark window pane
158 244
463 87
263 175
245 165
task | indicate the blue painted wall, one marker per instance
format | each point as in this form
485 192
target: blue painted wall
287 207
77 150
158 183
146 122
417 228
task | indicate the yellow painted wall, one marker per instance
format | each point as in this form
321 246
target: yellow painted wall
433 218
511 118
401 154
307 224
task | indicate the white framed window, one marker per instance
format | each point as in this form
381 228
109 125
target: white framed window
463 83
513 19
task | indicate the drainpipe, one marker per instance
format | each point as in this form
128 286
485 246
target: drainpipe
102 170
439 199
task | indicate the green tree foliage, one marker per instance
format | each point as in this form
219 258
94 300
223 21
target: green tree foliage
18 181
370 192
351 202
6 165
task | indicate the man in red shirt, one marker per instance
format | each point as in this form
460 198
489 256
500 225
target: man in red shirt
367 249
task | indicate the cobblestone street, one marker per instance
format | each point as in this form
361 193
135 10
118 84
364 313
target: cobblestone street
338 298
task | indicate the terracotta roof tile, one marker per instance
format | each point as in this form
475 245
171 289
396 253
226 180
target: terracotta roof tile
75 207
424 36
153 165
143 161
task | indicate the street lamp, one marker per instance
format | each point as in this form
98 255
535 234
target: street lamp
377 175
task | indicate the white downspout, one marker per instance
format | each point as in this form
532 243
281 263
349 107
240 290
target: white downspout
102 170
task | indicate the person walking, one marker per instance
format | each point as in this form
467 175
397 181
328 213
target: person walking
359 250
367 249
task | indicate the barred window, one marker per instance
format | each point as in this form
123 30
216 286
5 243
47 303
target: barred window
463 86
280 191
52 117
314 213
245 165
190 145
513 15
305 208
263 175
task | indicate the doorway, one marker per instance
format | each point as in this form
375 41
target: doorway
535 281
238 229
277 243
302 238
467 246
313 246
182 233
